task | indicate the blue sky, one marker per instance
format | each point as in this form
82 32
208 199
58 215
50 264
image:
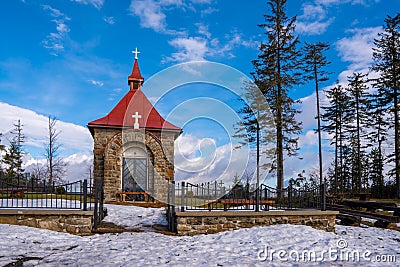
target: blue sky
71 58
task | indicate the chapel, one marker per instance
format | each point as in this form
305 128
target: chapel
134 145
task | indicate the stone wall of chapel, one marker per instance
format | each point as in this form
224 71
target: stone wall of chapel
108 154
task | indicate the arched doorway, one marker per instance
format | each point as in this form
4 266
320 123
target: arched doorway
137 170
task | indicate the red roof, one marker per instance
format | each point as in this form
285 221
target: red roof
135 75
134 101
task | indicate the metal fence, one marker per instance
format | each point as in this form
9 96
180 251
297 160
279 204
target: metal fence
48 196
72 196
213 196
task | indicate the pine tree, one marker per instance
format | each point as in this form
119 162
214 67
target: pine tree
358 108
13 156
335 116
386 61
376 173
377 135
315 61
277 70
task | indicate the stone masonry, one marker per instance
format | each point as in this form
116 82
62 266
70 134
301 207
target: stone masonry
70 221
109 145
194 223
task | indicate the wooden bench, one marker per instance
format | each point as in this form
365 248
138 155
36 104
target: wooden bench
373 205
382 220
123 195
364 196
15 192
246 202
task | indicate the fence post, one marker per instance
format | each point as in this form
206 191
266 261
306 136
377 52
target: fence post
85 194
173 219
266 198
208 191
290 196
169 206
96 200
257 199
323 197
183 197
101 207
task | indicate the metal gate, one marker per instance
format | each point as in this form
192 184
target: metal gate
135 175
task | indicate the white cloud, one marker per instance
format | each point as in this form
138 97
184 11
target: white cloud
201 47
153 15
203 30
73 137
55 40
340 2
54 12
76 140
208 11
96 3
201 1
357 49
77 168
97 83
150 14
191 49
314 20
198 160
109 20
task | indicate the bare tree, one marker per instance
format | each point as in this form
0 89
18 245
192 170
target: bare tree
38 173
55 164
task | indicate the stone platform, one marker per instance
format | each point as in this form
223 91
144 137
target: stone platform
209 222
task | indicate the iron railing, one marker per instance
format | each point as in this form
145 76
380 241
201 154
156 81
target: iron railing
48 196
77 196
212 196
98 197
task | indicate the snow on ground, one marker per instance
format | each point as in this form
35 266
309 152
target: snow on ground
244 247
135 217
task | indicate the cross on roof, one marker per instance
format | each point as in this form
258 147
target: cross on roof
136 117
136 52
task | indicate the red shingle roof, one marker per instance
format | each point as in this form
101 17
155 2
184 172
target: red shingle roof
135 75
134 101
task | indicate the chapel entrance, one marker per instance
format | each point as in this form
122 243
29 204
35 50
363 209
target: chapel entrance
135 175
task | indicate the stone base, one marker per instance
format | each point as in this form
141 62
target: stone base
193 223
70 221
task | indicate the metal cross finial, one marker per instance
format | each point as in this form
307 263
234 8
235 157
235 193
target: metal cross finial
136 52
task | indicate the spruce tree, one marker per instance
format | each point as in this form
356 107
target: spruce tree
314 63
386 61
376 173
358 109
377 135
335 116
13 156
277 70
